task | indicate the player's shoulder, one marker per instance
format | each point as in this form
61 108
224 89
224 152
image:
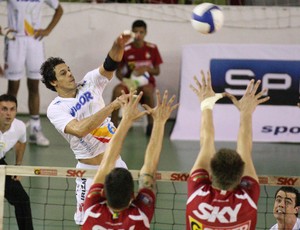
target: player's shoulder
128 46
59 105
199 174
151 45
248 182
274 227
298 223
19 124
55 103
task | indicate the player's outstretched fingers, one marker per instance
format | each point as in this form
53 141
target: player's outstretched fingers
165 97
208 80
255 87
158 97
249 88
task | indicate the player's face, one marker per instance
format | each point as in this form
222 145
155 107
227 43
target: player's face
284 206
65 80
8 111
140 33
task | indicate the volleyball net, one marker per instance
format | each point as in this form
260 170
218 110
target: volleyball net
52 195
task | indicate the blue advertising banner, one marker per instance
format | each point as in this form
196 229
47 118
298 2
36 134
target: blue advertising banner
232 67
281 78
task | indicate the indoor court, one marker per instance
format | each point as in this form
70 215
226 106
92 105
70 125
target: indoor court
255 32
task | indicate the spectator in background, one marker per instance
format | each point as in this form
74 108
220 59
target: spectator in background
13 136
27 50
140 63
286 208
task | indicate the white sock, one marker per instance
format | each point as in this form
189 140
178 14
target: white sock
35 124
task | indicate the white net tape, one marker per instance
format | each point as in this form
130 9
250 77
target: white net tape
52 195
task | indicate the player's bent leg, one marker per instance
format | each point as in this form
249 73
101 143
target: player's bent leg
82 187
116 93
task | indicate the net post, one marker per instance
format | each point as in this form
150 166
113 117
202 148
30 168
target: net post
2 191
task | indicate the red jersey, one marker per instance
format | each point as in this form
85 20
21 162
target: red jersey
212 209
97 215
148 55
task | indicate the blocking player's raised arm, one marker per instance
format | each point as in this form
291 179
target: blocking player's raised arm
207 98
160 114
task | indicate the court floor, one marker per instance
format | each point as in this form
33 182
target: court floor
269 158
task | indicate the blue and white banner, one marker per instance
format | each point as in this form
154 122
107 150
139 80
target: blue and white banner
232 67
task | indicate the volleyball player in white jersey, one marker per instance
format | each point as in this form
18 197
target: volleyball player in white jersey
27 51
79 112
13 136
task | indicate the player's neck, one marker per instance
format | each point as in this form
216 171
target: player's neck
4 127
286 224
215 186
67 93
139 44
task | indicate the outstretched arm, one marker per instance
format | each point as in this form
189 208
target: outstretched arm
207 98
115 55
112 153
160 114
247 105
81 128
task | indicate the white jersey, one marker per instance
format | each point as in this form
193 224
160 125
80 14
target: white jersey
88 101
24 16
296 226
8 139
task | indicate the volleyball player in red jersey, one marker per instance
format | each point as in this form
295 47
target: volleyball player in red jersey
110 203
142 61
223 188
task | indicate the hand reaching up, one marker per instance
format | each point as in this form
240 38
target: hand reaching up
162 111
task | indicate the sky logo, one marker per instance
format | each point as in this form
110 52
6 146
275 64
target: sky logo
281 78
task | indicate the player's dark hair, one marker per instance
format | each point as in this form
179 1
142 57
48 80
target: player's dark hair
289 189
227 168
139 23
7 97
119 188
48 73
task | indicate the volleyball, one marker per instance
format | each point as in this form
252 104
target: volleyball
207 18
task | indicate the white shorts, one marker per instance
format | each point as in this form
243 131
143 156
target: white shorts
82 187
23 53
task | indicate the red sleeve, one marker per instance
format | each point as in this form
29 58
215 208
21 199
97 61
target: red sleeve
196 179
157 60
94 196
145 200
251 186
